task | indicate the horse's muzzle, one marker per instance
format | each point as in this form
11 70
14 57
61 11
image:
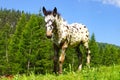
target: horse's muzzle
49 34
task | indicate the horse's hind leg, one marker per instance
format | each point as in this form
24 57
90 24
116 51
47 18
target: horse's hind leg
79 54
87 53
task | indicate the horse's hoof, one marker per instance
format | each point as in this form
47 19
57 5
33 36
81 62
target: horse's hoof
59 72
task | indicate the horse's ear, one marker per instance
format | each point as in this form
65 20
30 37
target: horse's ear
44 11
54 11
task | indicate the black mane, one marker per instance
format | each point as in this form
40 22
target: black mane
50 12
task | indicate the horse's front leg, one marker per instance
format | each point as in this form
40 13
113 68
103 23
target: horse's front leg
56 57
62 56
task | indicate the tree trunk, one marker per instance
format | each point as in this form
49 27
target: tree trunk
6 48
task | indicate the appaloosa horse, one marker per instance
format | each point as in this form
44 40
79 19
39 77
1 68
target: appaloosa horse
64 35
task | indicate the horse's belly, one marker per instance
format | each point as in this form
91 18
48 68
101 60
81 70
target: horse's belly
75 41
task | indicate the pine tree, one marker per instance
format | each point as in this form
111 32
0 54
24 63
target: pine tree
110 55
29 42
15 56
118 56
34 46
4 41
94 51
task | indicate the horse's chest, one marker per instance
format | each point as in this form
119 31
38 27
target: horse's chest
60 37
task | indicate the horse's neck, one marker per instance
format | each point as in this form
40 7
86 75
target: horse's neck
61 23
60 26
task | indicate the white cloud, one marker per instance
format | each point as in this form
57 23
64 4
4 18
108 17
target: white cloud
112 2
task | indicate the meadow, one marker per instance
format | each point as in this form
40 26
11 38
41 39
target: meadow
99 73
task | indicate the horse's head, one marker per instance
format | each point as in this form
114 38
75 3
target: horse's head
50 17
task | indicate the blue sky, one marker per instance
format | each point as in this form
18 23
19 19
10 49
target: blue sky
102 17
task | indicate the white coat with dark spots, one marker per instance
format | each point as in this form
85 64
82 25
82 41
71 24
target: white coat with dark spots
64 35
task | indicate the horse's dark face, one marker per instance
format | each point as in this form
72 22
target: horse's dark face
49 20
49 25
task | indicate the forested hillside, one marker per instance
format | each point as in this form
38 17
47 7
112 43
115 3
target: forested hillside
24 47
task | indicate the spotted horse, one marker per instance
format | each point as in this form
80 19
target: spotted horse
65 35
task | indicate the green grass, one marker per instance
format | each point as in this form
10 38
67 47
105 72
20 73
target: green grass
101 73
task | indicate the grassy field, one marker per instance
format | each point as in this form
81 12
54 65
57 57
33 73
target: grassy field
101 73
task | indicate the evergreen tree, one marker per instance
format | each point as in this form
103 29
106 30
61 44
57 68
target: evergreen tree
95 56
27 46
118 56
114 55
110 55
4 40
15 56
101 54
31 46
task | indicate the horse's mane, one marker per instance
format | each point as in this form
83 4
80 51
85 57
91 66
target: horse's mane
50 12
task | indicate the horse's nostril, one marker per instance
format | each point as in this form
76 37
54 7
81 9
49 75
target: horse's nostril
49 37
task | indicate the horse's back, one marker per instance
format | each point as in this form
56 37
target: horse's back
79 33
